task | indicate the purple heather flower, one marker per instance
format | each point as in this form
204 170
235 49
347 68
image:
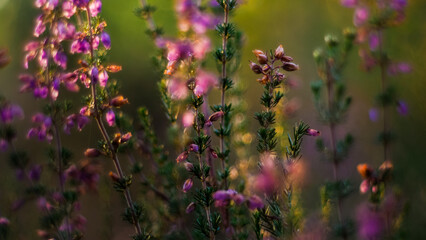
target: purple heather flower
41 92
255 202
177 89
373 113
204 82
188 166
182 157
402 107
94 73
110 117
193 148
349 3
221 195
60 58
4 145
75 120
106 40
95 7
32 46
361 16
188 119
64 31
399 68
35 173
238 198
39 3
370 223
68 9
398 5
214 3
9 112
187 185
95 43
40 26
373 41
202 22
313 132
41 131
80 46
43 58
103 78
51 4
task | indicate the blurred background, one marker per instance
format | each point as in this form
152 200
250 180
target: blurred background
300 26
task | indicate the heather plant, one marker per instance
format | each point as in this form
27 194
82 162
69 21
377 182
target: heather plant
203 180
333 104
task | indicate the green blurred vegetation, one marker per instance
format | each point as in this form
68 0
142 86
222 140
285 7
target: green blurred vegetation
297 24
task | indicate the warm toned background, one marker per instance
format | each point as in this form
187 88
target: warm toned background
299 25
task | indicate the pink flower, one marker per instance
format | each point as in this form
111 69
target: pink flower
201 46
110 117
95 7
370 223
68 9
188 119
349 3
204 82
40 26
103 78
361 16
255 202
182 157
106 40
373 113
190 208
177 89
364 187
374 41
402 107
313 132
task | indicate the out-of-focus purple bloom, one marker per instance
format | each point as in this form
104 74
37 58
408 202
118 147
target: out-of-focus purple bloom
94 73
95 43
349 3
41 92
4 221
9 112
103 78
42 131
361 16
106 40
202 22
313 132
398 5
364 186
60 58
193 148
95 7
35 173
182 157
204 82
370 223
201 46
399 68
187 185
68 9
75 120
80 46
40 26
110 117
64 31
4 145
374 41
39 3
255 202
402 107
373 114
214 3
177 89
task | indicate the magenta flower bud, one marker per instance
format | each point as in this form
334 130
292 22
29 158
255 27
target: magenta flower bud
68 9
402 107
255 67
216 116
361 16
365 185
106 40
373 113
182 157
110 117
188 166
31 46
213 153
40 26
187 185
190 208
95 7
208 124
289 66
193 148
221 195
103 78
255 202
313 132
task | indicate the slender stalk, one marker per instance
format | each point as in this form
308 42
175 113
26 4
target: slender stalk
106 137
224 76
150 21
203 179
332 128
383 85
